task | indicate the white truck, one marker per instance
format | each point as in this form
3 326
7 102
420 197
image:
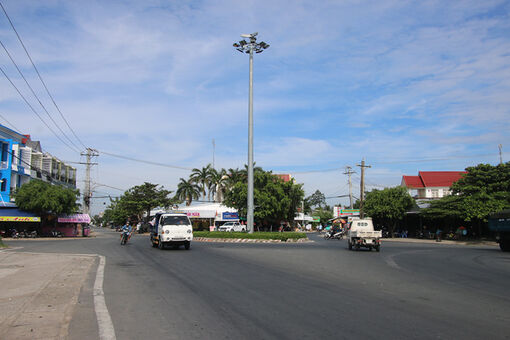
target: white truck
171 229
361 233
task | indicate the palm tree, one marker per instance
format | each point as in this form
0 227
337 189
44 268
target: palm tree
217 184
201 177
187 191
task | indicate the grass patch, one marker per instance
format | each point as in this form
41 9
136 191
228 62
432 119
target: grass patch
256 235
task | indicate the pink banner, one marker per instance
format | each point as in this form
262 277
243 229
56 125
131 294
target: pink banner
77 218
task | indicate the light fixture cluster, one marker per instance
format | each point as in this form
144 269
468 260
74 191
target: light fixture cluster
246 46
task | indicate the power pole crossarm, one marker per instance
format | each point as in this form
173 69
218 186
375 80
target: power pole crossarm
349 172
362 186
87 192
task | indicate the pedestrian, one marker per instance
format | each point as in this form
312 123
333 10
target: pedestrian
438 235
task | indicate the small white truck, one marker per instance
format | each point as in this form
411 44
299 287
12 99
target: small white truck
171 229
361 233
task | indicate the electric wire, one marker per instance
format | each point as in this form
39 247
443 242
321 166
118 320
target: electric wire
35 95
144 161
15 128
40 77
34 111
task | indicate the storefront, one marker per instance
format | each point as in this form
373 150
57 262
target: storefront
70 225
204 216
11 218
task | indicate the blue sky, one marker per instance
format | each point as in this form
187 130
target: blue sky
406 85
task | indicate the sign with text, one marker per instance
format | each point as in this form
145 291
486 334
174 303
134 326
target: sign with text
230 216
339 212
19 219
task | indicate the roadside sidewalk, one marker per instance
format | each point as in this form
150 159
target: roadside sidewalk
425 241
39 292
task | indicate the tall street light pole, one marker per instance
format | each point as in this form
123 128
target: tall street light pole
249 45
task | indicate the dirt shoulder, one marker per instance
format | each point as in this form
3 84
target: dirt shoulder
39 293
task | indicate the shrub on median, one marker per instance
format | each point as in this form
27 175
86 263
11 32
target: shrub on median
256 235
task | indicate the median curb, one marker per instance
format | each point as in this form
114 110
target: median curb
448 242
249 240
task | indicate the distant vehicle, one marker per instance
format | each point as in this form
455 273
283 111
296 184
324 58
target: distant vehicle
500 224
232 226
171 229
361 234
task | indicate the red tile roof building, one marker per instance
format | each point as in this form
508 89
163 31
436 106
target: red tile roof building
284 177
431 184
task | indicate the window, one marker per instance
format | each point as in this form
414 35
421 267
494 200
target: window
434 193
175 220
3 186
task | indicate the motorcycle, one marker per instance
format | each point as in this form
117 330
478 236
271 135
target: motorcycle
124 237
336 236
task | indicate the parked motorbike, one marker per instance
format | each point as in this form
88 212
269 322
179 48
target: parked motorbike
33 234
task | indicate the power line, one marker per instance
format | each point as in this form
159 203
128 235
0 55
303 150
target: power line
39 75
34 111
144 161
35 95
15 128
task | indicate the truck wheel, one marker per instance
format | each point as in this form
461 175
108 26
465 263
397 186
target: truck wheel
369 248
377 248
161 245
187 245
357 246
350 245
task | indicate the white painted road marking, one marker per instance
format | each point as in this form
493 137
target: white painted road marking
104 321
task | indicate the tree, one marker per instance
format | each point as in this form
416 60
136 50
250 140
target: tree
218 184
316 199
145 197
202 177
388 205
485 189
274 200
187 191
43 198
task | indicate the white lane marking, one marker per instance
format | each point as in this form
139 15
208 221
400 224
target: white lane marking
104 321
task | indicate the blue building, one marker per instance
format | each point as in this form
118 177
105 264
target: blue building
23 159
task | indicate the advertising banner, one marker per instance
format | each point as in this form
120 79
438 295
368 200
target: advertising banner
230 216
77 218
339 212
19 219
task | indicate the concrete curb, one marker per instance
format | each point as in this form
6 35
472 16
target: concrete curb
447 242
247 240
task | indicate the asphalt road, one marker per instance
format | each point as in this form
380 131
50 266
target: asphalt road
316 290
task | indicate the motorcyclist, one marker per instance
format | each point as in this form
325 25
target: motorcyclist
126 230
334 229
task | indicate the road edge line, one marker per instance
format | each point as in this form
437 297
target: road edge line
104 320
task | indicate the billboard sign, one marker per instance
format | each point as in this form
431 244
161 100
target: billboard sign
339 212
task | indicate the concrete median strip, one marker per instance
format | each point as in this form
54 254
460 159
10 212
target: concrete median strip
40 291
246 240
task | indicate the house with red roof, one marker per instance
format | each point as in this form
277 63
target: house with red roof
431 184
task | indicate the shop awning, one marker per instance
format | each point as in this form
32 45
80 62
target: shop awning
16 215
76 218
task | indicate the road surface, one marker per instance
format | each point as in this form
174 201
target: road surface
317 290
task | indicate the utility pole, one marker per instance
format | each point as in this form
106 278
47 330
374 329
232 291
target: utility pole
362 186
349 172
87 194
500 154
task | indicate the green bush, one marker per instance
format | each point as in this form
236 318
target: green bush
255 235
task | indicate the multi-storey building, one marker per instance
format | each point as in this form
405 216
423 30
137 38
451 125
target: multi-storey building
23 159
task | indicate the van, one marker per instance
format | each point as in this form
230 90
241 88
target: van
171 229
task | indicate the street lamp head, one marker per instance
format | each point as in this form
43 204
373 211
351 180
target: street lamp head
252 35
